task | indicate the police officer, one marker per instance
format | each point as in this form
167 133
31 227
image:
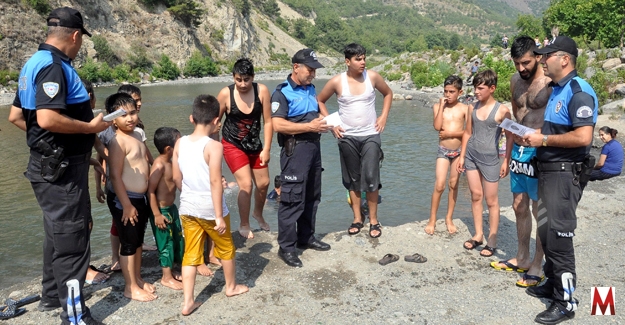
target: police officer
297 120
564 165
54 108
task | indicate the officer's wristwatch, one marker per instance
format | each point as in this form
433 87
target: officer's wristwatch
545 140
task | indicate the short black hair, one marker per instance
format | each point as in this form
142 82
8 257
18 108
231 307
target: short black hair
243 67
277 181
454 81
117 100
165 137
608 130
522 45
88 86
129 89
205 109
354 49
486 77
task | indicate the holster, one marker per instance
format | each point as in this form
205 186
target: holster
585 168
53 162
289 146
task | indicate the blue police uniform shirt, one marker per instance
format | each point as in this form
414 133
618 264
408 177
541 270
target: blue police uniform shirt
296 104
572 104
614 157
48 81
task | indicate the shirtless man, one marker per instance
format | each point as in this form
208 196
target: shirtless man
359 132
530 93
450 117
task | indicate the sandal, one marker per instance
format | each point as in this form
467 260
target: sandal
415 258
489 249
355 225
373 228
473 244
388 258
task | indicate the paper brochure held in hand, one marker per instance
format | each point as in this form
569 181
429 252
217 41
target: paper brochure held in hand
516 128
114 115
333 119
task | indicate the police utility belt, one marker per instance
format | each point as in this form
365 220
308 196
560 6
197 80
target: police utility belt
581 170
289 143
53 160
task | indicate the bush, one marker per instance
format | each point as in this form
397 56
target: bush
504 69
8 75
122 73
105 53
89 71
424 75
455 55
471 52
105 72
188 12
41 6
280 58
200 66
600 82
601 55
394 76
139 59
166 69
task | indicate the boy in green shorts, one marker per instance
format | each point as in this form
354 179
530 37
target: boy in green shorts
166 222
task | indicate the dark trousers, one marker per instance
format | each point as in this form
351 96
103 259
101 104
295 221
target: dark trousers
66 210
558 198
300 195
360 162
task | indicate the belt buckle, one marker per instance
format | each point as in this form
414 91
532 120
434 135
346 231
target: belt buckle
562 166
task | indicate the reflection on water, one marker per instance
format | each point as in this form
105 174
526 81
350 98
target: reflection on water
409 144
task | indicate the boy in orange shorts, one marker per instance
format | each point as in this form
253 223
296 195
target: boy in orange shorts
197 174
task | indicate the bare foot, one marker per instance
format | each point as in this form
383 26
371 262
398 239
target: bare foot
214 260
202 269
239 289
172 283
177 276
429 229
116 267
451 228
246 232
188 310
146 286
149 247
261 222
140 295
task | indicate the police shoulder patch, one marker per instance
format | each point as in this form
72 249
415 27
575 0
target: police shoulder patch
584 112
275 106
51 88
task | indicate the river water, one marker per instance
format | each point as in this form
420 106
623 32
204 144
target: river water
409 143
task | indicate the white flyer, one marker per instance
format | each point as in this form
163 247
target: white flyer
516 128
333 119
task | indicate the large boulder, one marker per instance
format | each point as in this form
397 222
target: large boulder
611 63
619 89
614 107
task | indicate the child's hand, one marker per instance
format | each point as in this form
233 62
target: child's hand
442 134
442 102
220 225
338 131
264 157
99 194
460 167
161 221
505 169
130 214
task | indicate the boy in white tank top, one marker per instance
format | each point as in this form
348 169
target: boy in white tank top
359 132
197 173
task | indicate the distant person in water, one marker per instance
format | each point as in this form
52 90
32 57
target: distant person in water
610 162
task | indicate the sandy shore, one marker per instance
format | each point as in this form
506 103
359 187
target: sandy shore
346 284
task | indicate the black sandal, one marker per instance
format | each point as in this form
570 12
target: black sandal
355 225
488 248
373 228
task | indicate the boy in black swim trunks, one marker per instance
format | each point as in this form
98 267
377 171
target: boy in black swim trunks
449 119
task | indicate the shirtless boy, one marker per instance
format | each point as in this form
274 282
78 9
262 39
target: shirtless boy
479 156
165 221
129 172
449 119
246 104
197 173
530 94
359 133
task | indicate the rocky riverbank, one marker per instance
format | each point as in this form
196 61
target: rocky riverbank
346 284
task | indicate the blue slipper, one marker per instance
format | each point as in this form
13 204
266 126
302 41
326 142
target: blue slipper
11 311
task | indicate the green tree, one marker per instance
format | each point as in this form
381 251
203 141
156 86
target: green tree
530 25
166 69
104 50
270 8
200 66
188 12
139 59
41 6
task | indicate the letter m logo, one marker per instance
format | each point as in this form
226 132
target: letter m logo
602 297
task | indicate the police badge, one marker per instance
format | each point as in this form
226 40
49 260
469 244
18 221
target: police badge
558 106
51 88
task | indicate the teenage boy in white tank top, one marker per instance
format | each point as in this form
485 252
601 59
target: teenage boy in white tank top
359 132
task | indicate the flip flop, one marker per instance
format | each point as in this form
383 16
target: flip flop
375 227
388 258
474 243
11 311
415 258
357 225
508 267
22 302
529 277
107 269
103 278
488 249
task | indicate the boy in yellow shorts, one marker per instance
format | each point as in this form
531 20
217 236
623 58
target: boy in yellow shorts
197 174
